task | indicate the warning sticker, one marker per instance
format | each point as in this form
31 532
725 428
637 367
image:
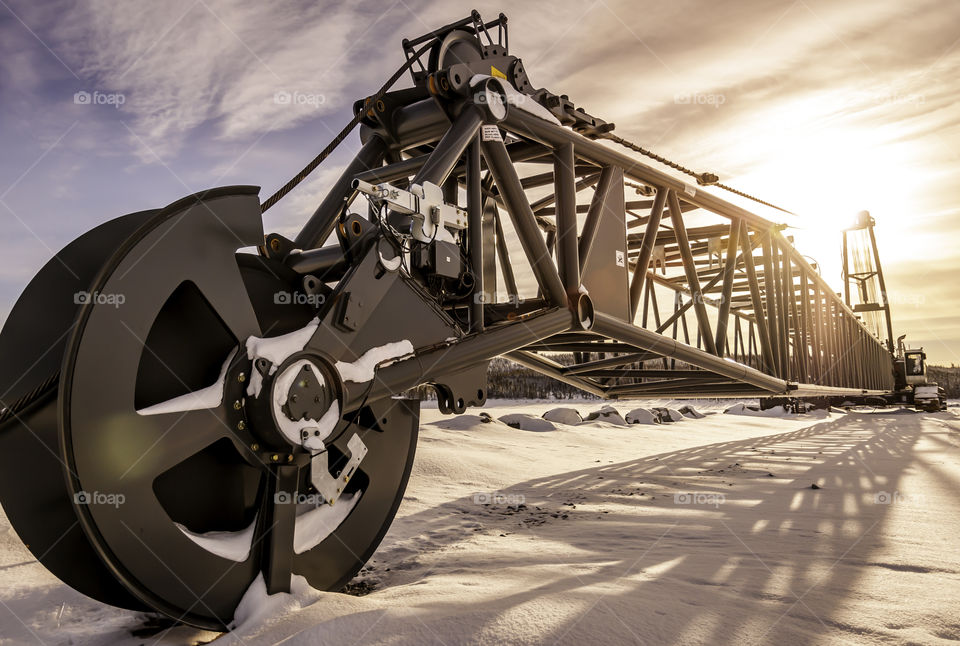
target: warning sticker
621 259
689 190
495 72
490 133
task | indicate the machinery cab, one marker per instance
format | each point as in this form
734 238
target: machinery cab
915 367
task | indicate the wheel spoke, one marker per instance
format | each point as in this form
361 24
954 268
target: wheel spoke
276 525
155 443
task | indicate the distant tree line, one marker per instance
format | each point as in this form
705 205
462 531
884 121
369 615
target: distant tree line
507 380
947 377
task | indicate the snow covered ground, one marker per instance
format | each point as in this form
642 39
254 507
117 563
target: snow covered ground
701 531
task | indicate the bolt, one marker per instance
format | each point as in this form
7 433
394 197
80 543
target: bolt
290 458
241 377
275 244
241 425
293 399
254 447
237 405
274 457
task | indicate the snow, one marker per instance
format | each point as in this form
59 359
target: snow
702 532
567 416
363 369
276 350
607 414
209 397
233 546
670 414
642 416
526 422
314 525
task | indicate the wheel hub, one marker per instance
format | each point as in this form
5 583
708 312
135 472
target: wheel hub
304 403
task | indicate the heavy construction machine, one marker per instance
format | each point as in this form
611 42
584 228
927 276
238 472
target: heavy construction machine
181 416
865 292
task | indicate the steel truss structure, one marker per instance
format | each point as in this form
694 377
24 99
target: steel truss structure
764 322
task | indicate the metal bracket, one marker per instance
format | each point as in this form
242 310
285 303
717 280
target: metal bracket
424 202
325 484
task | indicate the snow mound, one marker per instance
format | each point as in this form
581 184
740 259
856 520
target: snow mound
526 422
669 415
606 414
462 422
257 608
642 416
563 416
752 411
690 411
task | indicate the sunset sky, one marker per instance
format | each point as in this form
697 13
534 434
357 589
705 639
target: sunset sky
824 107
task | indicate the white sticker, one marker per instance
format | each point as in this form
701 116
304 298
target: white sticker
621 259
690 190
490 133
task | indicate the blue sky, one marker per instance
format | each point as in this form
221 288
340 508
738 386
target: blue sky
824 107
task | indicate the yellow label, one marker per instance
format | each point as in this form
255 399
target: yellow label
495 72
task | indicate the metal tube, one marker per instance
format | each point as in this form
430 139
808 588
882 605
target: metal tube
320 225
451 147
772 307
326 263
703 322
566 194
508 278
524 221
646 251
553 370
766 351
475 233
727 289
646 340
447 359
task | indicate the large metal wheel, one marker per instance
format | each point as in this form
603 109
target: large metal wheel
175 498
